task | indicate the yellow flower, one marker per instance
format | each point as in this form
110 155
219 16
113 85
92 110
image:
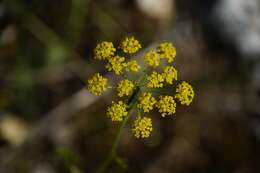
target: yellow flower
146 101
142 127
117 111
130 45
97 84
125 87
155 80
152 58
117 64
168 51
104 50
166 105
184 93
133 66
170 74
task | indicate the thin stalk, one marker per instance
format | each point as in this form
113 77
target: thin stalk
158 91
113 152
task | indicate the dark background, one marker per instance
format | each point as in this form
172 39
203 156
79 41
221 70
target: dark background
49 123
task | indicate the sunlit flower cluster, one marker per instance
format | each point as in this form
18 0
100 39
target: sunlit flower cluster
168 51
185 93
116 64
130 45
104 50
166 105
152 58
140 87
125 87
170 74
97 84
146 102
142 127
155 80
132 66
117 111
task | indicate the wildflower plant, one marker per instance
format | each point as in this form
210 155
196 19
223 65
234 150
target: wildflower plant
139 86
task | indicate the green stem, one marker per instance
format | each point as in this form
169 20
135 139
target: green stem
158 91
113 152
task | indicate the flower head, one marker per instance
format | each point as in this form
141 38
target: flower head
142 127
184 93
170 74
130 45
166 105
152 58
155 80
168 51
133 66
104 50
97 84
139 84
146 101
117 111
125 87
116 64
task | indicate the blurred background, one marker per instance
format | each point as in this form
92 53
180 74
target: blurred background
49 123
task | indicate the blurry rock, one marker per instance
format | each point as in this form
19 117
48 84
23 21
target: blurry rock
116 1
253 90
2 10
238 22
256 75
8 35
13 129
43 168
161 10
5 18
63 134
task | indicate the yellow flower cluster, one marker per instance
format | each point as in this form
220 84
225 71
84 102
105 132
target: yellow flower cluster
168 51
140 86
170 74
142 127
166 105
125 87
97 84
133 66
116 64
130 45
152 58
184 93
117 111
146 101
104 50
155 80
